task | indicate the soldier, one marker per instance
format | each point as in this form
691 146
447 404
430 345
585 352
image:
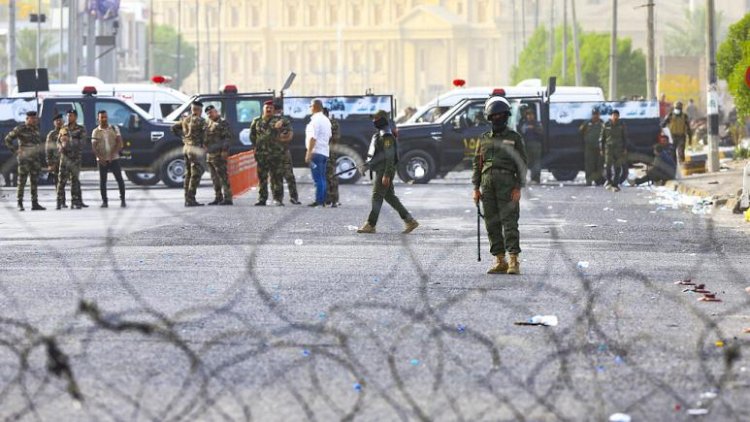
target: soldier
53 155
192 130
591 131
382 160
218 138
70 143
283 128
679 126
499 174
28 152
531 130
332 181
614 141
269 156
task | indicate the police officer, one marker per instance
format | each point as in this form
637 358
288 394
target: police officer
499 167
591 132
614 141
284 134
53 155
192 130
678 123
382 159
531 130
70 143
332 181
28 152
269 156
218 138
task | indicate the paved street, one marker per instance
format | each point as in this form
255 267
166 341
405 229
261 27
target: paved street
286 314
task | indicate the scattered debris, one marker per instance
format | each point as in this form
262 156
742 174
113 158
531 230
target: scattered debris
685 282
582 265
620 220
619 417
709 297
414 362
697 412
298 242
708 395
591 225
540 320
719 343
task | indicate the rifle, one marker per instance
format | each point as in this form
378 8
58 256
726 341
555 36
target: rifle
480 216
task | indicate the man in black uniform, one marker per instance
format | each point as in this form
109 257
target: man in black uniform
532 133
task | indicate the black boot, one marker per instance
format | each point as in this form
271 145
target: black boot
105 204
60 205
36 207
217 201
20 205
122 203
260 204
226 202
82 205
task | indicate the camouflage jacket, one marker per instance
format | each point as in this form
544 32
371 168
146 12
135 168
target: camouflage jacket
263 136
283 134
73 147
335 134
218 137
29 144
505 151
50 147
191 129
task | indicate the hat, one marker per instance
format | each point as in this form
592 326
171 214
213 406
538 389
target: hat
31 114
381 114
277 105
198 103
57 116
615 111
269 102
72 111
209 108
595 110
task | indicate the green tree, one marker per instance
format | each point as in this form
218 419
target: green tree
732 61
594 53
48 52
165 54
688 38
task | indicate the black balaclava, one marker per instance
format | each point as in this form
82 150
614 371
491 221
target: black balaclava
499 122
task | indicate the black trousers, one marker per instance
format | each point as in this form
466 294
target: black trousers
114 168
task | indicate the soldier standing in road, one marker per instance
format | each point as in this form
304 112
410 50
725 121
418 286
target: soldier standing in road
591 132
499 173
70 143
614 141
678 123
53 155
28 152
283 128
382 159
192 130
218 138
332 181
269 156
532 133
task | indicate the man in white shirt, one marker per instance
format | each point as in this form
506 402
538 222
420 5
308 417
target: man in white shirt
317 135
107 143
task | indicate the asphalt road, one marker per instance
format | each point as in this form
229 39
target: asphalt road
286 314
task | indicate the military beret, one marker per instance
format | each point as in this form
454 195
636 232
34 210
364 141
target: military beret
198 103
57 116
381 114
269 102
209 108
595 110
617 112
31 114
72 111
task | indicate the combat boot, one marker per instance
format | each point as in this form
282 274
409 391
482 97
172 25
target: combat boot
20 205
500 267
260 204
122 203
217 201
105 204
366 228
226 202
36 207
410 225
513 266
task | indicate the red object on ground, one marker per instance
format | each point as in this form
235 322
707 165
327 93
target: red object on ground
243 172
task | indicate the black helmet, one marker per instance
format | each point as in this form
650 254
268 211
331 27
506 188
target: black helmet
678 104
496 105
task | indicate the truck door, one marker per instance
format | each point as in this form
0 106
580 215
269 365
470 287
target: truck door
461 132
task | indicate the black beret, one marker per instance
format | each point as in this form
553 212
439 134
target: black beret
31 114
198 103
617 112
58 116
72 111
209 108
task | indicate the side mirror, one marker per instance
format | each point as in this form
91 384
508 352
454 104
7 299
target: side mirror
134 123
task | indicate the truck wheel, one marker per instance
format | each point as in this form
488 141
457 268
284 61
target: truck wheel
564 175
172 171
141 178
348 159
416 166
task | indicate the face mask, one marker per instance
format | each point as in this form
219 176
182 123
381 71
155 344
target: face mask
499 122
381 123
677 111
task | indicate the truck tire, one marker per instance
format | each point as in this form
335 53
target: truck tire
410 163
564 175
348 158
172 171
142 178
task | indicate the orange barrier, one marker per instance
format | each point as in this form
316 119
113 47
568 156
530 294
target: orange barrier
243 172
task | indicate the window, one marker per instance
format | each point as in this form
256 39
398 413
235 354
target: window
291 60
333 15
356 15
147 107
117 113
167 108
377 14
483 14
235 17
291 16
62 108
247 110
471 116
312 15
254 16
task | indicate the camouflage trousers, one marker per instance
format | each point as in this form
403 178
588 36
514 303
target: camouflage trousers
270 169
291 182
332 181
217 165
28 168
500 213
193 170
69 169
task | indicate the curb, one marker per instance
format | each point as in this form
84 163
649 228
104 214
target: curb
719 201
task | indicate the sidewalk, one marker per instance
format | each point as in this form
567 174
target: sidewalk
724 187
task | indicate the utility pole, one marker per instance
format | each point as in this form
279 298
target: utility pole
11 45
150 55
536 14
576 46
515 33
712 97
219 64
74 39
650 57
91 45
523 23
551 48
197 48
564 72
613 55
38 33
208 49
178 60
60 53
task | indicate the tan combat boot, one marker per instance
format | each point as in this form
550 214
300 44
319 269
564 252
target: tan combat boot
366 228
500 267
514 267
410 225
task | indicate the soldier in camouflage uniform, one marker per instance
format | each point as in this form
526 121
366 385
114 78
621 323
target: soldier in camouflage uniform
592 153
614 141
192 130
70 143
218 138
382 159
285 135
332 181
269 155
28 151
499 167
53 155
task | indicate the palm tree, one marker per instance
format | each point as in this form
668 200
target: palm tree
688 38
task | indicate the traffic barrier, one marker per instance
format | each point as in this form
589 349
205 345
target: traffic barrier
243 172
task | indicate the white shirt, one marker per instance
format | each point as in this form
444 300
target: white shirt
320 129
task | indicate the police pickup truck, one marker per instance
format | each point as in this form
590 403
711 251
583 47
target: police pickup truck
352 112
429 150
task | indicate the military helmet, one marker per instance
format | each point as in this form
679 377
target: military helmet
496 105
380 114
678 104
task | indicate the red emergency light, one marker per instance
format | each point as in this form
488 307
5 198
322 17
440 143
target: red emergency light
458 83
498 92
89 90
159 79
229 89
